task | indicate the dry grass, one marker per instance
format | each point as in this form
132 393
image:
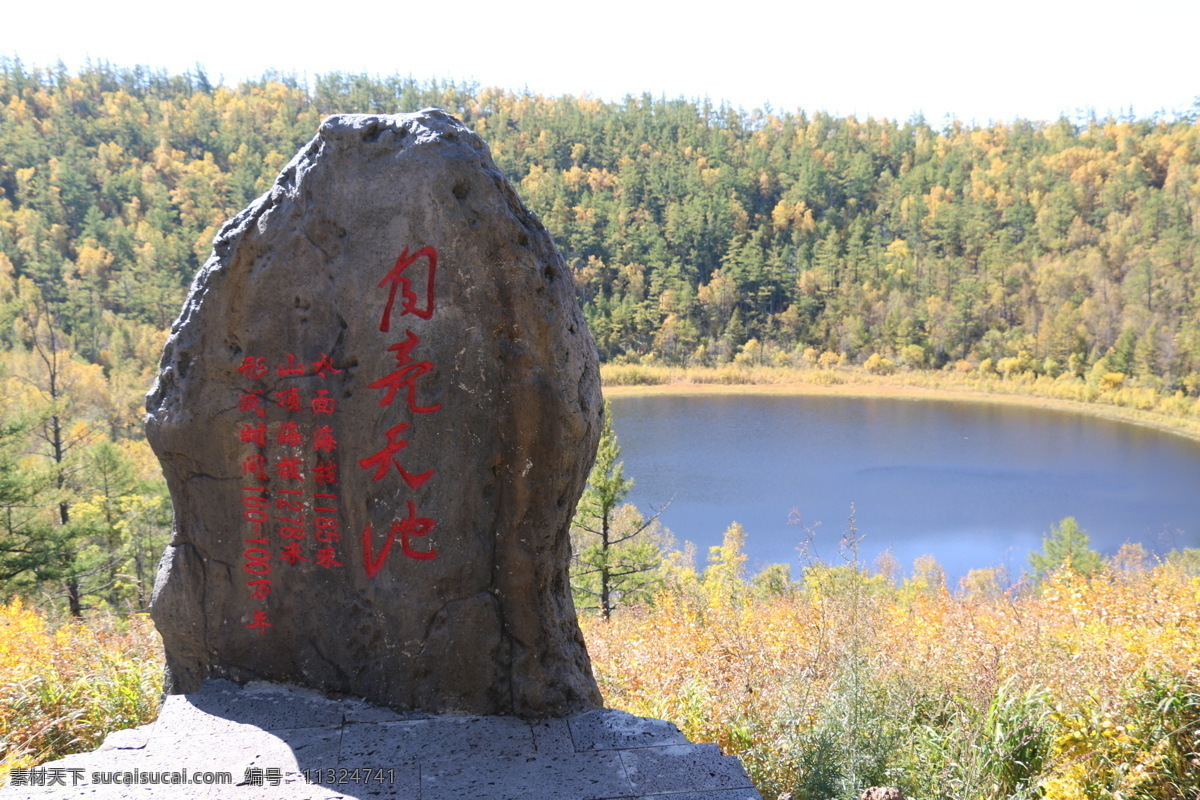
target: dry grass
64 685
1090 689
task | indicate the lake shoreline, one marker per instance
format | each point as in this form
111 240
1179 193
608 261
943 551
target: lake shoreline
868 386
975 479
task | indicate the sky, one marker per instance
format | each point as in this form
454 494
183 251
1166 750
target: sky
970 60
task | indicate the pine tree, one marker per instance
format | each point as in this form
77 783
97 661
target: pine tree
1065 545
616 550
27 541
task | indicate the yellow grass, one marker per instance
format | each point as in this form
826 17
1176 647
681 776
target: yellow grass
64 686
915 678
1089 688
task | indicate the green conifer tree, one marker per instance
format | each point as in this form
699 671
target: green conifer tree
1066 544
617 552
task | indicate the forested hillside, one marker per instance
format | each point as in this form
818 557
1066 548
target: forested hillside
691 228
697 234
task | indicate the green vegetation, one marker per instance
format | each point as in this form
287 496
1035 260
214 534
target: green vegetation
1065 545
64 684
616 552
1053 258
1048 258
1084 688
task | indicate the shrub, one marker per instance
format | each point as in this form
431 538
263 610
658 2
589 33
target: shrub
634 375
878 365
1086 690
64 687
829 360
913 355
1112 380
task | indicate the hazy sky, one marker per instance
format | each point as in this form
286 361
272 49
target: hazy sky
971 59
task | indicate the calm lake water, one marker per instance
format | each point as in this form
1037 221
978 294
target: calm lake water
973 484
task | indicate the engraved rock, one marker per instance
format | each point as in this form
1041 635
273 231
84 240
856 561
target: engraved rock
376 413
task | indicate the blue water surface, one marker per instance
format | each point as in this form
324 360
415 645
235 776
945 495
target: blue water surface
973 484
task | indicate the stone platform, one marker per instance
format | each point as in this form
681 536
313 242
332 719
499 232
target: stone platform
267 738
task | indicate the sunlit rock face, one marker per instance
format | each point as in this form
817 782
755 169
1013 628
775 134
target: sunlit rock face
376 414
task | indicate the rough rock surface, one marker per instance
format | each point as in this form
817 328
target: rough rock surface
270 742
376 413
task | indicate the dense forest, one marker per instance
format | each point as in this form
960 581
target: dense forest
698 234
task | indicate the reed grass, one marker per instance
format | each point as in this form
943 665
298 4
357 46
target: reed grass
65 684
1089 688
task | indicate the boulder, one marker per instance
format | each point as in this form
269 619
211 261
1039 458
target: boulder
376 413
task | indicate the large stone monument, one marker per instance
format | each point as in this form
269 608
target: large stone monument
376 413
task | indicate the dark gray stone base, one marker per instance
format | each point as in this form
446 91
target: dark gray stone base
268 738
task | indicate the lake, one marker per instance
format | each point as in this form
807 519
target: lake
974 484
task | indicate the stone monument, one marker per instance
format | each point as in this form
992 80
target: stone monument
375 414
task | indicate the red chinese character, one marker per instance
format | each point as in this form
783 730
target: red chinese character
326 557
406 376
289 434
412 527
403 350
394 277
253 367
290 368
260 621
327 529
288 469
384 457
323 441
256 466
409 528
252 401
322 403
326 473
288 399
259 589
291 553
253 434
324 365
